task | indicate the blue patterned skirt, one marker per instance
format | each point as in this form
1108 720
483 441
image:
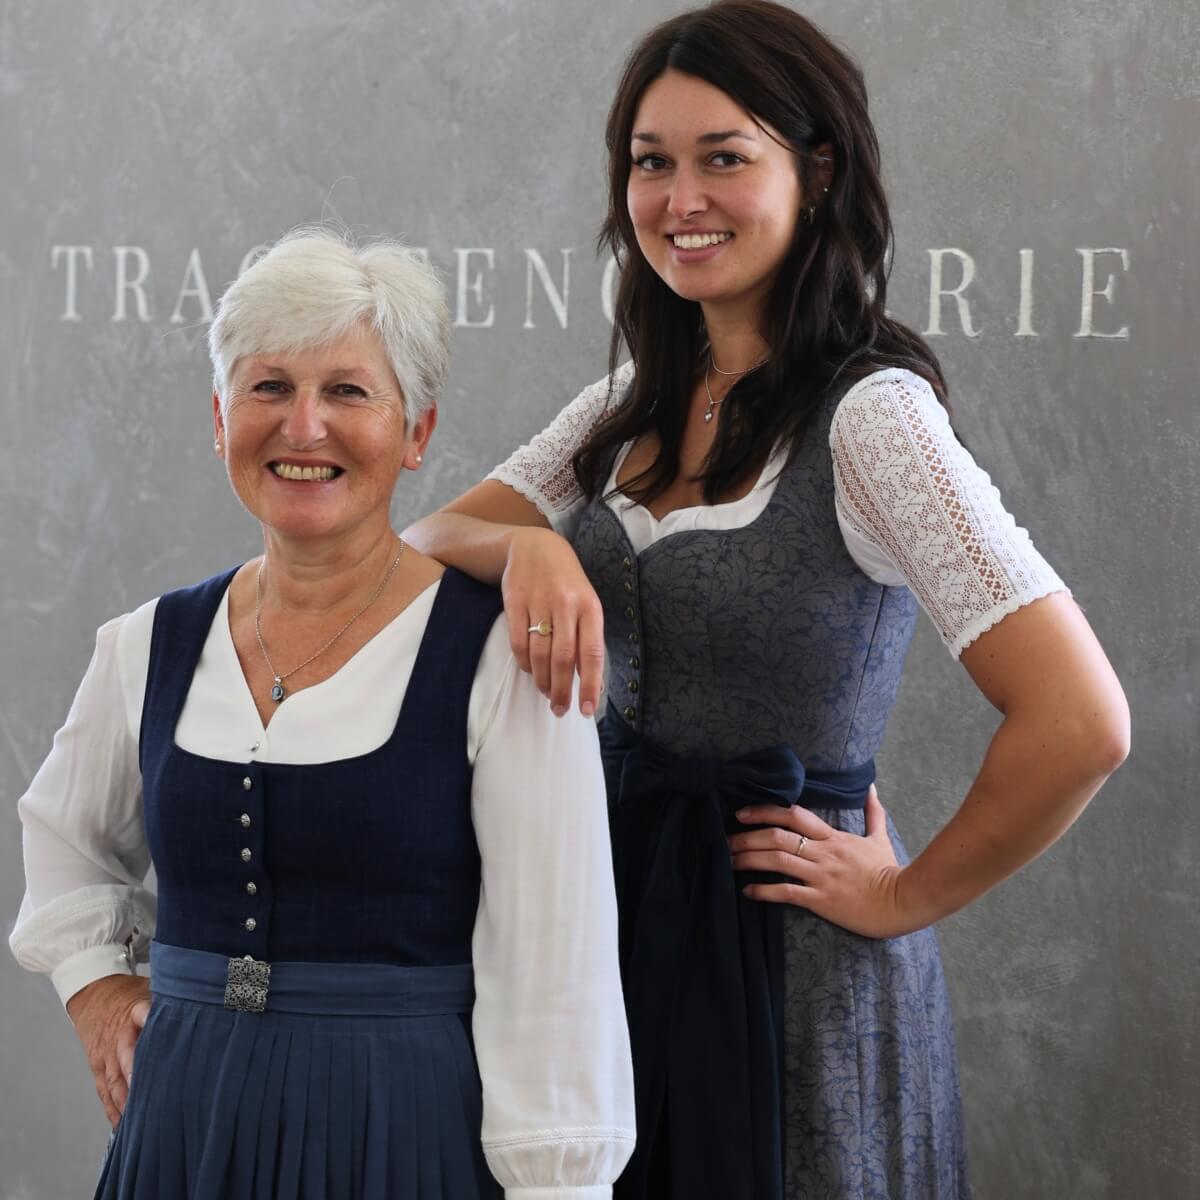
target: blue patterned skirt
357 1082
871 1079
776 1056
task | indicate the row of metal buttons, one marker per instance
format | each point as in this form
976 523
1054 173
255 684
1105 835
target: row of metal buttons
630 710
250 924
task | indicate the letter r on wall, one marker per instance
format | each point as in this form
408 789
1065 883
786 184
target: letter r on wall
937 291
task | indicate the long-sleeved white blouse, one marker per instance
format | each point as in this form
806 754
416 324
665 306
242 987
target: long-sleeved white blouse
548 1020
913 506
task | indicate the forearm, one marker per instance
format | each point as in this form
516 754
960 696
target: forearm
549 1019
476 547
1034 782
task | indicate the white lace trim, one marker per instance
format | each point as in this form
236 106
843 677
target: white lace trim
906 484
541 470
913 505
521 484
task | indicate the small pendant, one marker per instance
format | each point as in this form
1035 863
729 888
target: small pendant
277 692
708 415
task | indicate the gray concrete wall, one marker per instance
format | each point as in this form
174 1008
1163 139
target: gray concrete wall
1023 141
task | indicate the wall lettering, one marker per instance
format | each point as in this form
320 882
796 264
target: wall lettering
937 291
486 285
1090 291
535 263
135 283
471 287
73 254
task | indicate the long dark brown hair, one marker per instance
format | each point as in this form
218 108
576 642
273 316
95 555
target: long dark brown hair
824 317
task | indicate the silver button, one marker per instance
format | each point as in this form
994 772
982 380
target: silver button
633 685
247 783
255 747
245 820
246 854
628 588
635 662
629 611
627 563
251 924
252 889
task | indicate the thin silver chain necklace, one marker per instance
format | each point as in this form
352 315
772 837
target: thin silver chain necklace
743 371
278 691
712 364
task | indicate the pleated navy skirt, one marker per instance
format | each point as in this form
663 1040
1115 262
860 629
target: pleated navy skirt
357 1082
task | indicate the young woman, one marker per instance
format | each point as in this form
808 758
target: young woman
745 517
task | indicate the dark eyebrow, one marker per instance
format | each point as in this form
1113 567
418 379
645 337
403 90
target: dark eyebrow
705 139
724 136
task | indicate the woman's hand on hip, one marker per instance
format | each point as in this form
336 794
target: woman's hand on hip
543 584
108 1016
849 880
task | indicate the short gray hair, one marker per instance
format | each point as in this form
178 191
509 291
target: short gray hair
316 284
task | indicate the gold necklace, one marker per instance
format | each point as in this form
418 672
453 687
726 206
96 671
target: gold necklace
278 691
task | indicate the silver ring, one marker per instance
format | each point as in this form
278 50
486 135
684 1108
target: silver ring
800 847
542 627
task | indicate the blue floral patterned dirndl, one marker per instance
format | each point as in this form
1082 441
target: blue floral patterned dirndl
776 1056
309 1034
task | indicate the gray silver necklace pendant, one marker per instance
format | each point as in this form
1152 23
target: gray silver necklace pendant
277 689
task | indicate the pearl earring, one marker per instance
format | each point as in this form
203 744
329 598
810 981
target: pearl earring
419 458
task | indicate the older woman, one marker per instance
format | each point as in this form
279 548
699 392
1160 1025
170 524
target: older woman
354 803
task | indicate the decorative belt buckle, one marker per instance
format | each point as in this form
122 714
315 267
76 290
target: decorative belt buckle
246 984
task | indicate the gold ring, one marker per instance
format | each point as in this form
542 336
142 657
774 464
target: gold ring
800 848
542 627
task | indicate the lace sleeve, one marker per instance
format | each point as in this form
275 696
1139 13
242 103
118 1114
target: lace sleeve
916 503
541 470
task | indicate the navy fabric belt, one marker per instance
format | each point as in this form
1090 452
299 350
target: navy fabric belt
703 966
330 988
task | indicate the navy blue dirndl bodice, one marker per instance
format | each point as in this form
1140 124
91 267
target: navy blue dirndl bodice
366 859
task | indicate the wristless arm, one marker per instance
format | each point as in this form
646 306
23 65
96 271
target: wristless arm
1065 730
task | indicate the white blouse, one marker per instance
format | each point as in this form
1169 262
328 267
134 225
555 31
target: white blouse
549 1025
913 506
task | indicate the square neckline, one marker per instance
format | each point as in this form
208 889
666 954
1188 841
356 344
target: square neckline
768 480
227 649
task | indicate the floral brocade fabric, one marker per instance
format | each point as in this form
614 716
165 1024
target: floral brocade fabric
722 642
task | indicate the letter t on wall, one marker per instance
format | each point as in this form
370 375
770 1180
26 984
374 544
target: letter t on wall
73 255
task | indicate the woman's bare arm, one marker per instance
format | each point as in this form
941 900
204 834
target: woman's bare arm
1065 730
494 534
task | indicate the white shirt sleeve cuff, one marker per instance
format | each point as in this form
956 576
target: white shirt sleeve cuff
95 962
600 1191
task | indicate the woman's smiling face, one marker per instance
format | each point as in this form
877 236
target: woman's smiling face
713 197
315 440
